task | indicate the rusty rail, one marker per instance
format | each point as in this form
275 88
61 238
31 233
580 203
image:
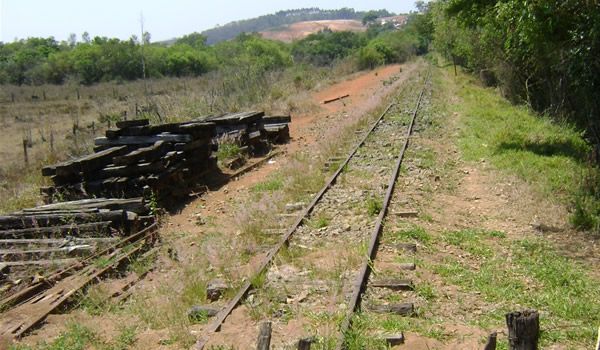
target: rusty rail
365 270
216 324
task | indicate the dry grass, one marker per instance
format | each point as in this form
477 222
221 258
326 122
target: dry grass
47 122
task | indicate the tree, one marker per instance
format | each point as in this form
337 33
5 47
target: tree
72 40
369 17
85 37
146 38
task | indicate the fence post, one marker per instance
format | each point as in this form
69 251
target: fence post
523 330
25 152
264 337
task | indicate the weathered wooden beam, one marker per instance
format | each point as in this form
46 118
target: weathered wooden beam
264 336
305 343
10 243
405 309
31 221
147 154
136 205
394 284
335 98
237 118
395 340
491 342
101 228
90 162
134 122
523 330
142 140
49 253
276 119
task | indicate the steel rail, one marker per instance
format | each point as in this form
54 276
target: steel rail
365 269
224 313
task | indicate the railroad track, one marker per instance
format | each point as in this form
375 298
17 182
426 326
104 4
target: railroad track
318 272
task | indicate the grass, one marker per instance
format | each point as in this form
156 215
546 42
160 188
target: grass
321 220
527 273
228 149
374 206
550 155
274 183
79 337
413 233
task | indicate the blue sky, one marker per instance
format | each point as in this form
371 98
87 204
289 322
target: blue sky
163 19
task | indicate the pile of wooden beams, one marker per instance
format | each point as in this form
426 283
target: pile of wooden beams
135 159
56 233
253 129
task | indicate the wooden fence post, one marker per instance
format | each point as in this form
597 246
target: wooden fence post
52 141
25 152
305 343
523 330
264 337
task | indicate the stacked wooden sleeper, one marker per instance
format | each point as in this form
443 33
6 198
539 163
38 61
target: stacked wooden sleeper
55 233
135 159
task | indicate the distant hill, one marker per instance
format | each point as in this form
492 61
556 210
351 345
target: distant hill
299 30
283 18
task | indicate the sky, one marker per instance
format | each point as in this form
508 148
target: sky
163 19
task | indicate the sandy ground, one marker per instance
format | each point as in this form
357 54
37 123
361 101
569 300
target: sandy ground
301 30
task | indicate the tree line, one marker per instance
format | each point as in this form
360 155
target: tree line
36 61
544 53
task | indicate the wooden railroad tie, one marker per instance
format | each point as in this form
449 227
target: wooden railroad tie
404 309
394 284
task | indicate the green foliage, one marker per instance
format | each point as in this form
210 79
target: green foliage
228 150
543 53
416 233
374 206
273 184
76 337
326 46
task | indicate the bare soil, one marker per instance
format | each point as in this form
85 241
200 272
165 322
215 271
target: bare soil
301 30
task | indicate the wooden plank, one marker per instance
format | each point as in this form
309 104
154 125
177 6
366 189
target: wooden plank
195 129
134 122
142 140
136 205
276 119
148 154
394 340
336 98
127 171
8 243
30 221
51 262
405 309
394 284
17 321
65 212
101 228
237 118
48 253
90 162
